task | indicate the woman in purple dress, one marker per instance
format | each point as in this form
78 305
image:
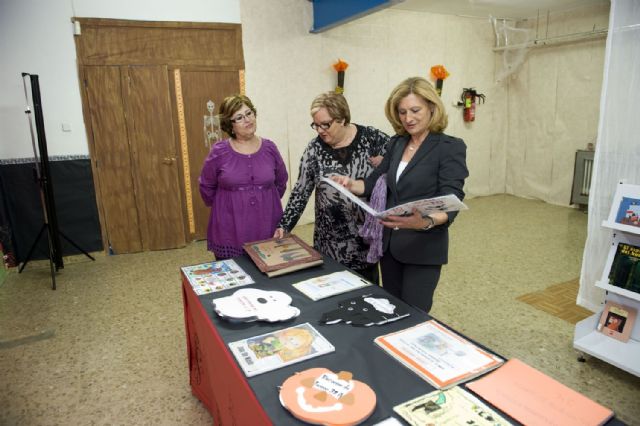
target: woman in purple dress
242 180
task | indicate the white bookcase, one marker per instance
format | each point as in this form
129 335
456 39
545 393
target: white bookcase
587 338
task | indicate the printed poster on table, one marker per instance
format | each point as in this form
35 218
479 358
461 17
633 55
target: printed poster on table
437 354
211 277
266 352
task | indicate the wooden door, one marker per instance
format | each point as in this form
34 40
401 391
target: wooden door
198 87
112 159
155 157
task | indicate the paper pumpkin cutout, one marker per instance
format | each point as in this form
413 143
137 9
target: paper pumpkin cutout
319 396
364 311
252 304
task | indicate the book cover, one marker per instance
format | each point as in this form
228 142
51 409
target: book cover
624 270
270 351
211 277
453 406
437 354
533 398
320 396
617 321
278 256
629 212
324 286
445 203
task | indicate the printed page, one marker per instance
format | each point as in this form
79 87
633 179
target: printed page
259 354
441 356
331 284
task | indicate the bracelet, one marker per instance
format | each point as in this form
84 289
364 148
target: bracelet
430 225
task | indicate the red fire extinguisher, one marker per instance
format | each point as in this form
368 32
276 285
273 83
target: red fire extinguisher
468 102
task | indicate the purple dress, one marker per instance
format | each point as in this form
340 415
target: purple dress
243 191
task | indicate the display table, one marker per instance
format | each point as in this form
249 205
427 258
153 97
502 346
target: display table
233 399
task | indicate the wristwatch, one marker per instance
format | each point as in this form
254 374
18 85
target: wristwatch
430 225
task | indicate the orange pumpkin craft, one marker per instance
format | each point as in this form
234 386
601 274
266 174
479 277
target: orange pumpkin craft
320 396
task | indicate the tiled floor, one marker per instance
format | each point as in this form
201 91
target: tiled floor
108 346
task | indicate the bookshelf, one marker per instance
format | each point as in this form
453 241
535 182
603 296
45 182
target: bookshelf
621 280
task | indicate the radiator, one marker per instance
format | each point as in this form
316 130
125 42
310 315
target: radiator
582 177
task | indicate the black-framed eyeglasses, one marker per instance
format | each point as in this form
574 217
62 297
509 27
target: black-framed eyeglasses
323 126
240 117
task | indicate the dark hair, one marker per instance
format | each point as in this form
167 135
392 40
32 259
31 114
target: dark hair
423 89
229 106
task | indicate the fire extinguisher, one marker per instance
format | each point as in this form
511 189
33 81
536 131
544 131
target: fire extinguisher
468 102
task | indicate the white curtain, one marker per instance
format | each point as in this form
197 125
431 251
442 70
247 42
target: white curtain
617 156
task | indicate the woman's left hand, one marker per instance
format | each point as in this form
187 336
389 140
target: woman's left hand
413 221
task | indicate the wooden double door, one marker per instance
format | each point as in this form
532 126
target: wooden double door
145 89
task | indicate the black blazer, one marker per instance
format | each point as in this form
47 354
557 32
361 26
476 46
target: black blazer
437 168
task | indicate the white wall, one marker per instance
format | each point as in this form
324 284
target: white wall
286 67
554 104
37 37
522 142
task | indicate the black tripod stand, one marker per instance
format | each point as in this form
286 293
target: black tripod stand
43 176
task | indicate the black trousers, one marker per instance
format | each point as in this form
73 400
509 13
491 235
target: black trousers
414 284
370 273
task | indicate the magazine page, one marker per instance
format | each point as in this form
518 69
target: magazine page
454 406
437 354
259 354
330 285
444 203
211 277
344 191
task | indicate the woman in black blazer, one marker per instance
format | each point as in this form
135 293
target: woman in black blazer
421 162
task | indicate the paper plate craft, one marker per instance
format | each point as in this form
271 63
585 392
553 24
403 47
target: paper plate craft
320 396
251 304
364 311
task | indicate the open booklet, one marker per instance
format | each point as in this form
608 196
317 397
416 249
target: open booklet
445 203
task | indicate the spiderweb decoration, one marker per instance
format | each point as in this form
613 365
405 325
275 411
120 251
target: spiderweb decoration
515 44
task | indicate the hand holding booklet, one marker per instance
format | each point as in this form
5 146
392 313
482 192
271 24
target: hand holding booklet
445 203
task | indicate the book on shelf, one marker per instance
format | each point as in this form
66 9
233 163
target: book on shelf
622 271
629 212
438 355
453 407
533 398
270 351
279 256
426 206
328 285
625 209
617 321
211 277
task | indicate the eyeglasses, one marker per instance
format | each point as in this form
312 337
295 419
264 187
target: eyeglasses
323 126
240 117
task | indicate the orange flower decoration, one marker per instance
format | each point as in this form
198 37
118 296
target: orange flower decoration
340 65
439 72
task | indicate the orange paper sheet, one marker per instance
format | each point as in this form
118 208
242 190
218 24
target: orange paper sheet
533 398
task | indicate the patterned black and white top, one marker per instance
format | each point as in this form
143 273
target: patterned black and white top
337 219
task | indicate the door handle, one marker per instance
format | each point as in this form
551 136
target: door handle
168 160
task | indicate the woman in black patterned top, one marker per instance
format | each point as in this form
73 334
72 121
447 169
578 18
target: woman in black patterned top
344 148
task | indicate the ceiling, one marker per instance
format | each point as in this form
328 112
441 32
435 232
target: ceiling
509 9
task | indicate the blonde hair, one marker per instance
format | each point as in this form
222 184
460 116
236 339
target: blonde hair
335 104
304 337
423 89
229 106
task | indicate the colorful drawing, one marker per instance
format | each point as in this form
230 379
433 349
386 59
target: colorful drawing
629 212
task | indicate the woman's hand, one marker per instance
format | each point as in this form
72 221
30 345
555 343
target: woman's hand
414 221
355 186
279 233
